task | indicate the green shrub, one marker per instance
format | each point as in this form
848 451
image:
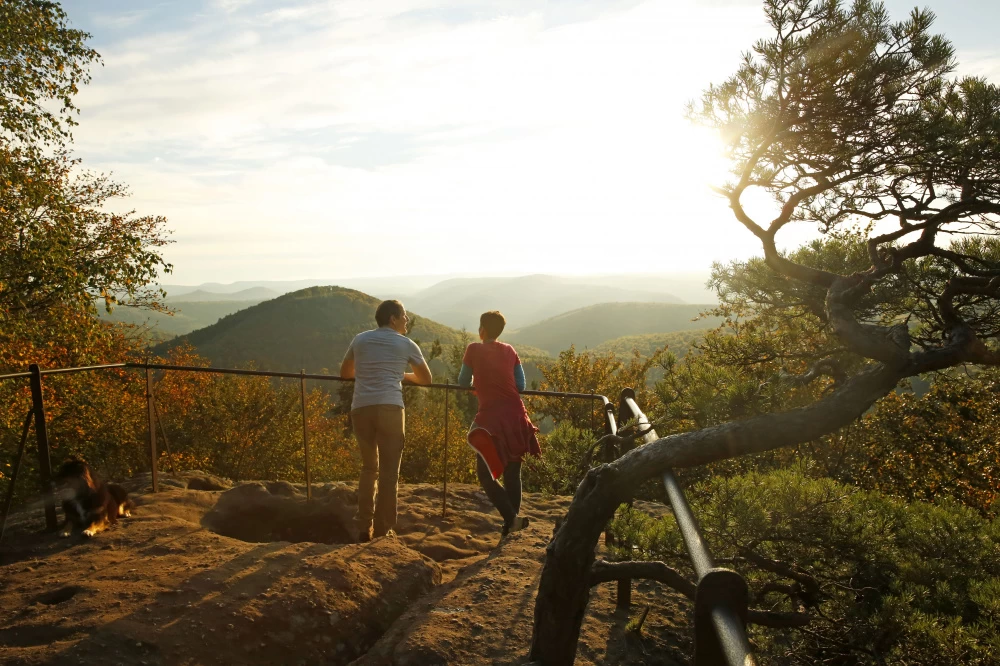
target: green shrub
895 583
559 470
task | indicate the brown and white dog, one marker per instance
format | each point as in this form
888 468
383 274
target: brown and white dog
89 504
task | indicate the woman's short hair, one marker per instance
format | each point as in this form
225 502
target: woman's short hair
387 310
493 323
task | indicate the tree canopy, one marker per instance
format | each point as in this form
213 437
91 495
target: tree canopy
58 242
42 61
852 123
849 122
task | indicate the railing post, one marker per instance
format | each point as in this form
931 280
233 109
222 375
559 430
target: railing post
42 437
444 497
151 418
610 428
720 619
721 596
305 433
623 597
623 600
13 474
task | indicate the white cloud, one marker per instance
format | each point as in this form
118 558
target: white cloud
334 138
980 63
120 21
230 6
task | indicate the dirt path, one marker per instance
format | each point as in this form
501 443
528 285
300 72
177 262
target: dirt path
166 588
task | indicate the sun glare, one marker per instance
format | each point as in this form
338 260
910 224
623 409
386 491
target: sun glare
702 162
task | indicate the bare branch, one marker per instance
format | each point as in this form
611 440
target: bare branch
827 367
603 571
809 584
778 620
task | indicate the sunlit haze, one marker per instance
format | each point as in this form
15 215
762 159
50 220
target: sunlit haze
288 140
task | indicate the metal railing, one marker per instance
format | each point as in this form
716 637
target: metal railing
721 596
37 416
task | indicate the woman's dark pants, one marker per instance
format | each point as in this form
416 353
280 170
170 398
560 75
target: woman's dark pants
506 498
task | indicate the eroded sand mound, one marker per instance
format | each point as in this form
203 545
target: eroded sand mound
235 576
485 617
163 589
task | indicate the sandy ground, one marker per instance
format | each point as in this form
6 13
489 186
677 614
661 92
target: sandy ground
203 577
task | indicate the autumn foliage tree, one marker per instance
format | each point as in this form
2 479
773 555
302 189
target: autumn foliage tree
942 443
61 252
851 123
589 372
58 246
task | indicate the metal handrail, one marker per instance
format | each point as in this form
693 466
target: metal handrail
721 596
35 374
337 378
65 371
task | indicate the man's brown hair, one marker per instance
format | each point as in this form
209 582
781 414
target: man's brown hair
387 310
492 322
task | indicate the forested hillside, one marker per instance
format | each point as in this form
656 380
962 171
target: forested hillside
523 300
308 329
588 327
678 342
255 294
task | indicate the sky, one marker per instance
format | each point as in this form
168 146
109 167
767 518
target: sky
351 138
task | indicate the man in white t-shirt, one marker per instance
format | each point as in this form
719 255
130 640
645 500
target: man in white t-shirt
377 360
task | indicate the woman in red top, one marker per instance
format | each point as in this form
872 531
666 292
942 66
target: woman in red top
501 433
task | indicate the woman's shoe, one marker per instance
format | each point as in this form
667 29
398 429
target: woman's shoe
520 522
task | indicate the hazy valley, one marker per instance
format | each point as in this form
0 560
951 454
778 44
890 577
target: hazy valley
286 326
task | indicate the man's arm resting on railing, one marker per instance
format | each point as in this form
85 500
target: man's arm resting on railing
347 365
421 374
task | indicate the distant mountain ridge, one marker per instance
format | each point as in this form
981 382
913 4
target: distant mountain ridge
255 294
458 301
384 287
187 316
589 327
523 300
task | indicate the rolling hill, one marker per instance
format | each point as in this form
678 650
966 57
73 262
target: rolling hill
307 329
523 300
591 326
678 342
395 286
188 316
255 294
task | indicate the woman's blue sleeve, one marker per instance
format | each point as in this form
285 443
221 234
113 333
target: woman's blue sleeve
519 377
465 376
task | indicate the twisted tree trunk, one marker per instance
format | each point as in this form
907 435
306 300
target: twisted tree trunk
564 588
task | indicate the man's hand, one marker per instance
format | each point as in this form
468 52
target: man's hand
421 374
